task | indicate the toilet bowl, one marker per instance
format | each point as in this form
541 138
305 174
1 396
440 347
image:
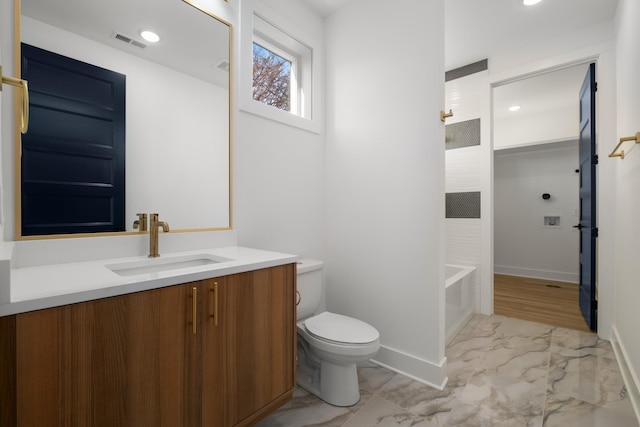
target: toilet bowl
330 345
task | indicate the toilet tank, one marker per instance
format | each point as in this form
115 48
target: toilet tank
309 283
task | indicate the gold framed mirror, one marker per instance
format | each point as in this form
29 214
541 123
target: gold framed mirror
177 119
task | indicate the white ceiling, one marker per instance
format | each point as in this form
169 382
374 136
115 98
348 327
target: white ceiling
190 41
558 89
478 29
474 29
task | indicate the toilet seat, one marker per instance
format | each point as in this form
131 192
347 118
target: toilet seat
340 329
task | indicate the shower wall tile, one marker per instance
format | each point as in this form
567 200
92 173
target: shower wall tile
462 134
463 205
467 169
464 170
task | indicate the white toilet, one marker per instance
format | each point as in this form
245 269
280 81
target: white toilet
330 346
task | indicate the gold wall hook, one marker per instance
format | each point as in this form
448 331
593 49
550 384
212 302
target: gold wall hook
444 115
24 88
635 138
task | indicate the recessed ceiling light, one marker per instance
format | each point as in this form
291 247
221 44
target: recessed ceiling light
530 2
514 108
150 36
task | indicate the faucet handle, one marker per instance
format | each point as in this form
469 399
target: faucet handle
140 223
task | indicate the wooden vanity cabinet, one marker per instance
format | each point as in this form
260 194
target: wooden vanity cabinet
258 343
139 359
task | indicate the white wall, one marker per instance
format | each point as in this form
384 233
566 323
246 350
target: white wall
627 187
523 245
279 170
385 170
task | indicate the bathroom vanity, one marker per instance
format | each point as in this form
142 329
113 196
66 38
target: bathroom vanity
208 345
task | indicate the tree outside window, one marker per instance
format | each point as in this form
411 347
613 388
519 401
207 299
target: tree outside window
271 78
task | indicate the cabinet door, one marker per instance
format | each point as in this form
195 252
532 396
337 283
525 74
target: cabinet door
258 339
121 361
70 365
162 363
213 378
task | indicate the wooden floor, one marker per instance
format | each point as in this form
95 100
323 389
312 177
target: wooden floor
544 301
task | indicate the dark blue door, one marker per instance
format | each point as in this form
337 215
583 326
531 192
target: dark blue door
73 157
587 225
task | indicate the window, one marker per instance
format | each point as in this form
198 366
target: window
267 38
271 77
281 69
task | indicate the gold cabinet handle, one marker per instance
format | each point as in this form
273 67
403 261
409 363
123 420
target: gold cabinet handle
24 87
24 117
195 310
214 301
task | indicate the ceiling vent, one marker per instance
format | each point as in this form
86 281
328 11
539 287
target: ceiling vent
128 40
223 65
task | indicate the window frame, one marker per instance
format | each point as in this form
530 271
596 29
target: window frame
291 42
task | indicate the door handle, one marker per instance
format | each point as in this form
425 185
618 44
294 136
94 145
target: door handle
579 226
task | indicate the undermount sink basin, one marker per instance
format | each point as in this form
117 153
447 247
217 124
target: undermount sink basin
155 265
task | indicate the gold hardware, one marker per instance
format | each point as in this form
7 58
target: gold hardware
153 234
195 310
214 309
298 297
635 138
140 223
444 115
23 85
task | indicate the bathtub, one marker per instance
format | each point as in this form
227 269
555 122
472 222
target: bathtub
459 284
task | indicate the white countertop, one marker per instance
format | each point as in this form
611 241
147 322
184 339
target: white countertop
45 286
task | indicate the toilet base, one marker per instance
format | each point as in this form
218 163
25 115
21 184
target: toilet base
335 384
339 384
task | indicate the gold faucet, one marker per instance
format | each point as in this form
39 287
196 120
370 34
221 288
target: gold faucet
153 234
140 224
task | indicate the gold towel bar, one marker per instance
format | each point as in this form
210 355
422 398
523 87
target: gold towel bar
635 138
24 117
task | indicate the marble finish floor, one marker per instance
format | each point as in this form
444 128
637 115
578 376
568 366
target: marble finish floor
502 372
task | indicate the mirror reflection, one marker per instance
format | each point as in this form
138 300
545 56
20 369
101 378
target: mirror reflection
176 101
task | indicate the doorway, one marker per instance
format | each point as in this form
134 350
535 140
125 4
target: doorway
536 195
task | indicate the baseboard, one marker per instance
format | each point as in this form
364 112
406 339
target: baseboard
429 373
629 375
559 276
